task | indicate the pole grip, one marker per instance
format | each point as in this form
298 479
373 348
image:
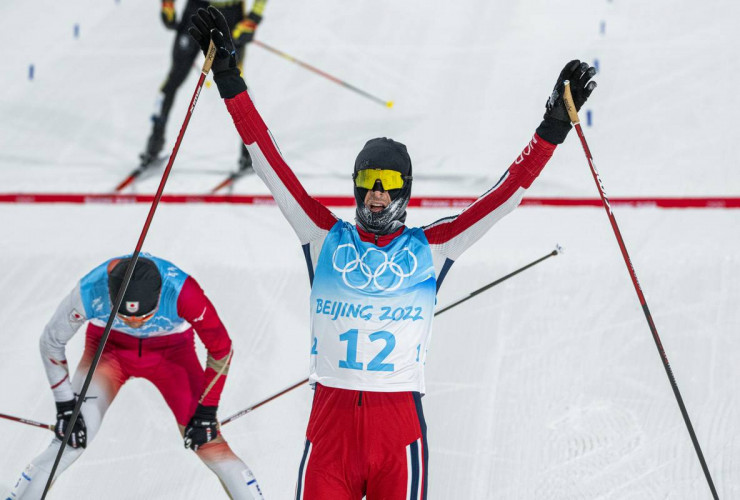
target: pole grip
570 106
210 56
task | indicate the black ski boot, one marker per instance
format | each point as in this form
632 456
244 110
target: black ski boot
154 144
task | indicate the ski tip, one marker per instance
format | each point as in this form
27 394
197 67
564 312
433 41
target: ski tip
221 186
389 104
558 249
123 185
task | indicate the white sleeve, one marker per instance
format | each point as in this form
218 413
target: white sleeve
67 319
451 236
310 219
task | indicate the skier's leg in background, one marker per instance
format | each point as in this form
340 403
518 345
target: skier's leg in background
106 382
179 377
184 52
236 478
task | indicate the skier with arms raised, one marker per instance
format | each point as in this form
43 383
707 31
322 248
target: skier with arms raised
373 288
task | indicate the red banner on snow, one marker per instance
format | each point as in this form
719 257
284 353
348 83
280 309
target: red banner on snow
349 201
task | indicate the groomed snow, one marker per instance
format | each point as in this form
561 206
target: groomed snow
546 387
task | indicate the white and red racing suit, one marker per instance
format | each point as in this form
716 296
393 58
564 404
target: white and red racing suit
372 306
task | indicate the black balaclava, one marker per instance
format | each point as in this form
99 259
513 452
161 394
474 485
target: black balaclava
385 154
142 293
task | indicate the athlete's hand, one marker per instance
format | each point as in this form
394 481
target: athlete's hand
556 123
202 428
78 438
578 73
169 18
211 25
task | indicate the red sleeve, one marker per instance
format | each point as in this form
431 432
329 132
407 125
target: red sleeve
307 216
194 306
452 235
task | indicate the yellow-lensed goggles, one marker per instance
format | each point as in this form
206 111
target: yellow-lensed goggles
390 179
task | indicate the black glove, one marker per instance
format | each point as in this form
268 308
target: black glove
202 428
169 19
556 124
78 438
243 32
211 25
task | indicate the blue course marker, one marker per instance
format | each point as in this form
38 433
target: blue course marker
602 27
589 119
30 71
596 65
77 30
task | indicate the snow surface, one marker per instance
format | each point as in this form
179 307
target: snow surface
546 387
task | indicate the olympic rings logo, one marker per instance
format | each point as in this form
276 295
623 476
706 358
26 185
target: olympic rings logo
372 268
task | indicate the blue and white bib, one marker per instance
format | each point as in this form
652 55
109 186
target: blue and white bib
371 311
97 302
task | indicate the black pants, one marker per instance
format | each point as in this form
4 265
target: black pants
185 50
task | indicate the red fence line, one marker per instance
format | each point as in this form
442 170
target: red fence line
349 201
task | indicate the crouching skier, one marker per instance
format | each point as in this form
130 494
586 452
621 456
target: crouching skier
153 338
373 288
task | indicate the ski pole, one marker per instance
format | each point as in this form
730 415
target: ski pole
387 104
132 264
239 414
27 421
263 402
557 250
136 173
225 421
573 115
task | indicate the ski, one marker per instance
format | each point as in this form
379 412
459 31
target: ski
138 171
231 179
129 179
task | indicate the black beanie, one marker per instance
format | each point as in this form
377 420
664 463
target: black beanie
385 154
142 293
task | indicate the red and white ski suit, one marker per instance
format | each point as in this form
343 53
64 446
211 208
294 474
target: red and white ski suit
165 357
367 437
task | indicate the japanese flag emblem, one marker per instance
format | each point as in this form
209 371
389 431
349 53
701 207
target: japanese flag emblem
132 306
75 317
